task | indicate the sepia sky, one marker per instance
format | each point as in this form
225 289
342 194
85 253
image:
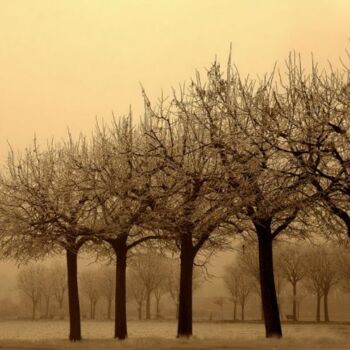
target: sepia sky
62 63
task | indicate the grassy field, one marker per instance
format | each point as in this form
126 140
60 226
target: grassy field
161 335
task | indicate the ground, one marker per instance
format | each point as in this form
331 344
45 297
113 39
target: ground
161 335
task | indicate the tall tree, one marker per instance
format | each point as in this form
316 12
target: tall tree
44 209
119 177
191 213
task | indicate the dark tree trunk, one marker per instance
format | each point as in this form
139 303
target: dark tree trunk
295 317
185 297
235 310
318 307
120 327
325 304
73 296
267 283
148 305
242 313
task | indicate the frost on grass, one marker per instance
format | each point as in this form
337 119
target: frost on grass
145 335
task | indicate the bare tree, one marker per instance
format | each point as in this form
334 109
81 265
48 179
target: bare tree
90 284
151 271
59 283
292 263
136 289
30 283
107 287
47 288
45 212
239 284
191 213
322 275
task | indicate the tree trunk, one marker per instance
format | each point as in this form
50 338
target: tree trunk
120 327
73 296
139 311
295 317
148 305
267 283
242 313
235 310
325 304
318 307
185 297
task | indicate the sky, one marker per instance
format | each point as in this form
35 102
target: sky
64 63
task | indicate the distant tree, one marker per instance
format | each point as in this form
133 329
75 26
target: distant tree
322 275
292 265
239 284
90 284
136 290
59 283
220 301
151 271
47 288
107 287
30 284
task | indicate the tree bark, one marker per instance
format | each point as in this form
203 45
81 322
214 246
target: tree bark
295 317
73 296
318 307
325 304
148 306
185 297
120 326
267 283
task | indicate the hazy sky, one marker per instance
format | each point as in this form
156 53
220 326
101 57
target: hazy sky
62 63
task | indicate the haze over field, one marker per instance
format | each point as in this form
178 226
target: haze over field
65 65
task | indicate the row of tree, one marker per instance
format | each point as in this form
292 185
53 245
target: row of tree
317 270
150 277
224 157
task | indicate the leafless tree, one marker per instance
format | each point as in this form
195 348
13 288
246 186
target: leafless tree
322 275
137 291
191 213
90 285
107 287
150 269
59 283
44 212
239 285
30 283
293 267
